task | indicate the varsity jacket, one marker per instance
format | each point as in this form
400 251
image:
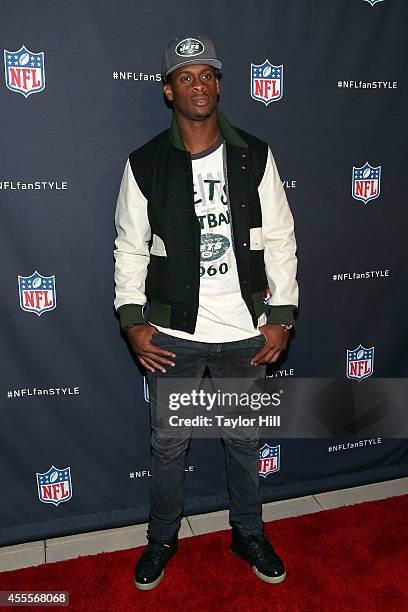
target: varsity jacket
157 249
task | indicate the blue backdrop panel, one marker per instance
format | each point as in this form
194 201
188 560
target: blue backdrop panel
75 449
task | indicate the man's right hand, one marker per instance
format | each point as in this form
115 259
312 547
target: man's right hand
150 356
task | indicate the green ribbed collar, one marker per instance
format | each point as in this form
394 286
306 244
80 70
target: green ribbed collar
228 131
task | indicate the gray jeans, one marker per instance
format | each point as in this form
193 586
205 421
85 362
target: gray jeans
224 360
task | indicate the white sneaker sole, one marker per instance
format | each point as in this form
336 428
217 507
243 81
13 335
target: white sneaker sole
147 587
270 579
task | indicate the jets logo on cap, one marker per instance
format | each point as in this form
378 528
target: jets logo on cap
189 47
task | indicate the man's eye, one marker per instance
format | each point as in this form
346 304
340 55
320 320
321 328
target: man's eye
185 78
207 76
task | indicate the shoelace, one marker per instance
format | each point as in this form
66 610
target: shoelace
261 548
156 553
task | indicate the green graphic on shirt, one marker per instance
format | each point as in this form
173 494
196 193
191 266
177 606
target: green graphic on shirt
210 183
212 219
213 246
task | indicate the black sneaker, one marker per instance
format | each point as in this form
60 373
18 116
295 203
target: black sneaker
149 571
259 553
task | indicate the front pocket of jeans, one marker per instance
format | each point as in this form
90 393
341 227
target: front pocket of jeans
257 340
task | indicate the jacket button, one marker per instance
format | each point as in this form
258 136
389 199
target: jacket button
189 209
244 283
243 155
185 315
245 244
243 167
243 205
184 324
189 249
187 286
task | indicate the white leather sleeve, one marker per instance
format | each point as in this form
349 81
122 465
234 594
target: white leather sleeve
131 245
278 238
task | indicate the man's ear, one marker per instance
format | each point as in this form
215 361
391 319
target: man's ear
168 92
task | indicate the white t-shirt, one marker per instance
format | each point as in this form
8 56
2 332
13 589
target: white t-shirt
222 313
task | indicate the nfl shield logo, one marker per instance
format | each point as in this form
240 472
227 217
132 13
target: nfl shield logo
269 459
24 71
54 486
266 82
360 363
366 182
37 293
372 2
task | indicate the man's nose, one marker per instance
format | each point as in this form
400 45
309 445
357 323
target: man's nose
198 84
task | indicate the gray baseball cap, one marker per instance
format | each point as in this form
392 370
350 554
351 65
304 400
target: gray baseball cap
185 50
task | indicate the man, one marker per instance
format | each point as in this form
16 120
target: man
204 228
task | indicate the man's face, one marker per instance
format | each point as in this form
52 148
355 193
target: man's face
194 91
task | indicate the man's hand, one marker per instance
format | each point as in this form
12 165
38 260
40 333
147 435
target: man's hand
150 356
276 340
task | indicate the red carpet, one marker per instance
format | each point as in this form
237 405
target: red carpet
352 559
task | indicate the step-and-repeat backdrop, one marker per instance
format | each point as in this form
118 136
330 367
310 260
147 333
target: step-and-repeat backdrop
325 84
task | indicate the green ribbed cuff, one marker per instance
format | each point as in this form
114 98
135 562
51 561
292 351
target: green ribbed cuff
130 314
281 314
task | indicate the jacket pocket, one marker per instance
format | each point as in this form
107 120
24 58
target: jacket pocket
255 239
158 248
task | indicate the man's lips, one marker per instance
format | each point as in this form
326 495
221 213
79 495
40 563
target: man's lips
199 100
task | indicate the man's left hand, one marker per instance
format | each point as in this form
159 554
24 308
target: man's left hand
276 340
